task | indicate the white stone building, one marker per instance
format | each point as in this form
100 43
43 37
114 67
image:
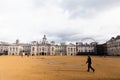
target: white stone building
14 49
42 48
18 48
71 49
113 46
46 49
4 48
86 48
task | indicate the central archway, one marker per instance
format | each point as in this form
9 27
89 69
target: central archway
43 54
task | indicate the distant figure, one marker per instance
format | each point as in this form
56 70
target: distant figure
27 54
89 62
21 55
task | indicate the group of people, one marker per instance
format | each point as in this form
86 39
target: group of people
23 54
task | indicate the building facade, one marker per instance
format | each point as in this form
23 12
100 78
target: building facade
102 49
46 48
42 48
85 48
113 46
4 48
19 48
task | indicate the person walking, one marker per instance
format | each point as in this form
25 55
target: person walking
89 62
28 54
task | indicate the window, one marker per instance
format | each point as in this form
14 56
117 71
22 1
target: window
43 49
74 49
85 50
33 49
52 49
16 49
40 49
10 49
13 49
71 49
81 50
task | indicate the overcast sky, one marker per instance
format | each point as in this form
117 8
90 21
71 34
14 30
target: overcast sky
60 20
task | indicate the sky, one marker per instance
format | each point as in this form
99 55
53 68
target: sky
59 20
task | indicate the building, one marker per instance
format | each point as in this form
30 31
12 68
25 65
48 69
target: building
42 48
4 48
83 49
102 49
52 49
113 46
46 48
71 49
18 48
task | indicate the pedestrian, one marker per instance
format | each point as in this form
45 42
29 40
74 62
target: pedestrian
21 55
89 62
27 54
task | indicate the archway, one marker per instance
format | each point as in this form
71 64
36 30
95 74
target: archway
43 53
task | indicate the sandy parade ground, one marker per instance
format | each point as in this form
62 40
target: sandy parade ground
58 68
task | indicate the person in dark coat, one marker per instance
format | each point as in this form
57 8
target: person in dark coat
89 62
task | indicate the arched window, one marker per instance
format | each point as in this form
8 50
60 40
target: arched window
16 49
33 49
52 49
71 49
13 49
40 49
43 49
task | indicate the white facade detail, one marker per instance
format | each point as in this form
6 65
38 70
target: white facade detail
45 48
113 46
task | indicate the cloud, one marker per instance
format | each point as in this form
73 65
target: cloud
60 20
87 8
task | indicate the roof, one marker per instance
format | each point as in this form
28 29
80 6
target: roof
118 37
